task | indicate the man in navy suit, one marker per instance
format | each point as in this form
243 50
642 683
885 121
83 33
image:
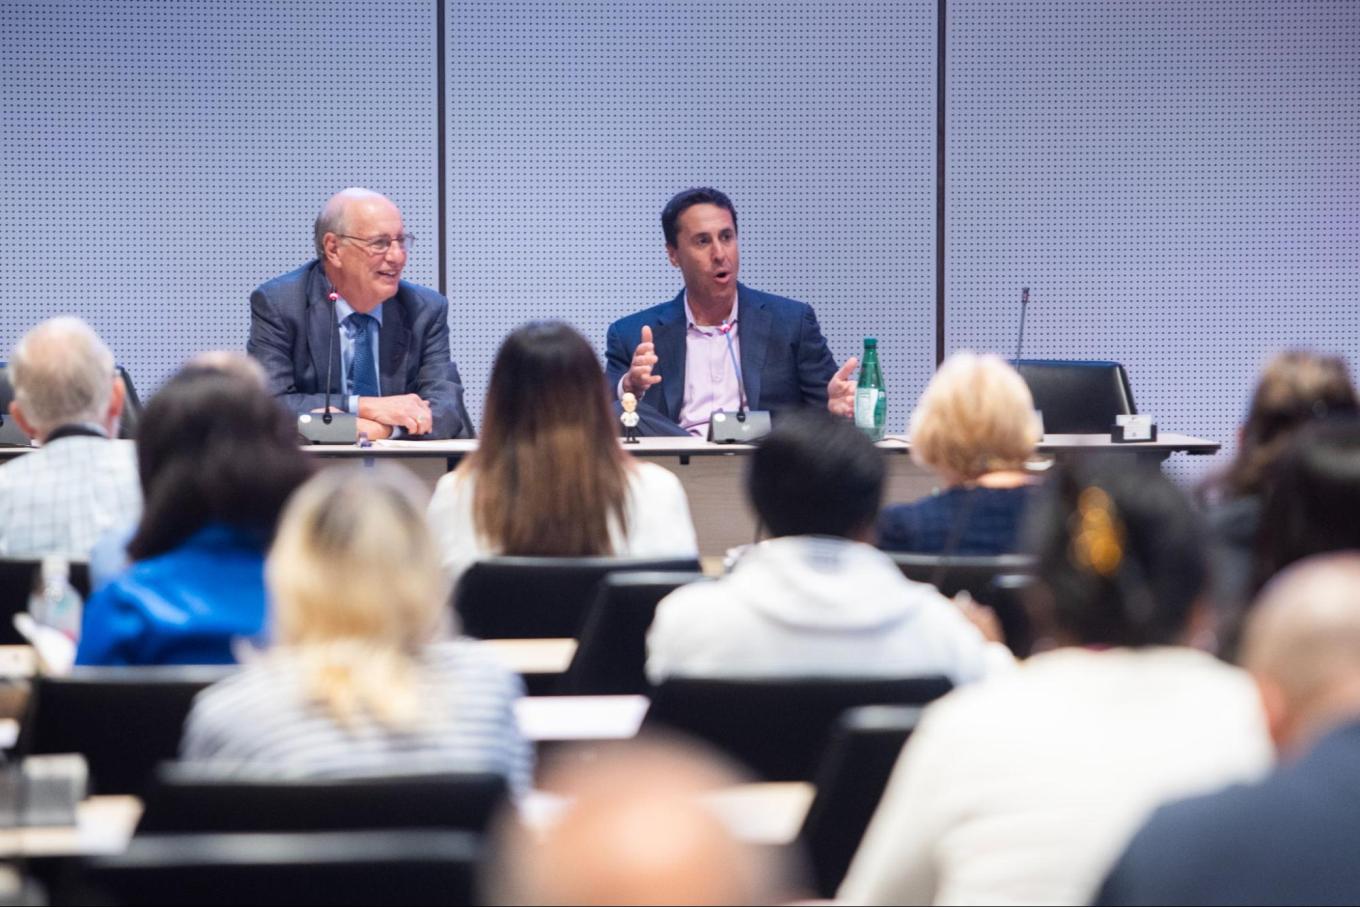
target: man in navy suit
388 339
1291 839
691 344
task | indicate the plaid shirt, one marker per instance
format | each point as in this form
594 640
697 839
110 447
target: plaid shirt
62 497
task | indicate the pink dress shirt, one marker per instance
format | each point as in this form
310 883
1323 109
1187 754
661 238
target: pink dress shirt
710 379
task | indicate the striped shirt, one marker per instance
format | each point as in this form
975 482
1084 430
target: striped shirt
62 497
260 723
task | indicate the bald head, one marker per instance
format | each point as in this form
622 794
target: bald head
230 362
361 242
335 215
637 831
1302 644
63 374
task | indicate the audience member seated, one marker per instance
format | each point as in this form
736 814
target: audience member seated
218 458
1296 388
61 497
364 677
109 557
549 477
1291 838
816 599
974 428
1025 788
634 829
1313 497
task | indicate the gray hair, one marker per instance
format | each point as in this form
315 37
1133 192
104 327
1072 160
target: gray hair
62 373
331 219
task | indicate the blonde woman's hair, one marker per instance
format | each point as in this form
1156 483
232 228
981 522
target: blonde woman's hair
975 417
357 591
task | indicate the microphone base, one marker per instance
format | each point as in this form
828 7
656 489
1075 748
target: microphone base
343 428
726 428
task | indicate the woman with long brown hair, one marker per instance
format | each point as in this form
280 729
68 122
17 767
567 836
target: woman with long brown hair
549 477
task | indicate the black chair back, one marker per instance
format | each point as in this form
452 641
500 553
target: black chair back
11 434
19 577
850 780
124 720
183 799
995 581
538 597
1076 396
612 654
419 866
468 430
132 407
779 727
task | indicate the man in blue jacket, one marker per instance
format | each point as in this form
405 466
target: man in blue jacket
1291 838
388 340
691 346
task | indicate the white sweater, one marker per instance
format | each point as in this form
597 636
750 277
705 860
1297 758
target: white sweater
1025 789
656 508
811 605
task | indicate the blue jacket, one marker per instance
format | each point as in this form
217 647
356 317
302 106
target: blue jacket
1290 839
785 361
292 326
182 607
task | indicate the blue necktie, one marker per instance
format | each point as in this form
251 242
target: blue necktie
363 370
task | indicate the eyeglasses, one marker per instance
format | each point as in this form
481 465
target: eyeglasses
378 245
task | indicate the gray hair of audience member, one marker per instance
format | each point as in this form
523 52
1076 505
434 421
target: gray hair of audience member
230 362
332 217
62 373
1302 645
635 829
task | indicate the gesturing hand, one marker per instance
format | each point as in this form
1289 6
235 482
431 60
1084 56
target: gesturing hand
640 377
840 390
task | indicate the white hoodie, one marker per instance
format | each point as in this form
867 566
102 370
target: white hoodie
815 606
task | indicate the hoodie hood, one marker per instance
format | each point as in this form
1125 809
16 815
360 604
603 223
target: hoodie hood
819 582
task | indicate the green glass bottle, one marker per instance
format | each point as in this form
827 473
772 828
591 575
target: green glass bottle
871 396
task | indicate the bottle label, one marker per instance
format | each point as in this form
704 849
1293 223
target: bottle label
866 407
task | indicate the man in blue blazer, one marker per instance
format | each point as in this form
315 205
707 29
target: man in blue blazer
388 339
1290 839
691 344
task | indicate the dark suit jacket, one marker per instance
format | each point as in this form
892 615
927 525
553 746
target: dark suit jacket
292 325
1290 839
784 358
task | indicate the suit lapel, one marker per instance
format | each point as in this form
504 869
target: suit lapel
393 340
753 329
322 332
668 334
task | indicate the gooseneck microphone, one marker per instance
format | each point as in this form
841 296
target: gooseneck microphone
326 415
1024 307
726 330
749 424
331 428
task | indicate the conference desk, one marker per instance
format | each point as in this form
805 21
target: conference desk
713 475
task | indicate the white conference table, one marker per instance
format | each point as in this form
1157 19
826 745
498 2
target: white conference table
713 475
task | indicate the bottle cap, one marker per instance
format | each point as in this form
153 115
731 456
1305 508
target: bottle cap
870 343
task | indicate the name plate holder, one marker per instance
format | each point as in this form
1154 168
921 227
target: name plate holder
1133 429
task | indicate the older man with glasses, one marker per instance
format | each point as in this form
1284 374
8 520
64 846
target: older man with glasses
387 340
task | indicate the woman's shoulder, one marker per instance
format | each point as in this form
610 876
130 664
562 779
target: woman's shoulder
645 475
